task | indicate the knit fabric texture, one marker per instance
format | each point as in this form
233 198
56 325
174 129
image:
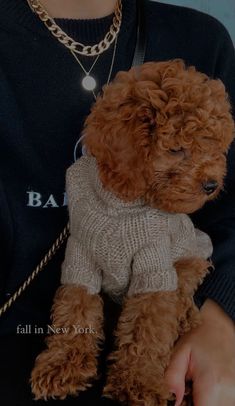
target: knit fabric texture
123 247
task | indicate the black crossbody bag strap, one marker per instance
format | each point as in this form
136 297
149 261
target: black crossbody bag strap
140 47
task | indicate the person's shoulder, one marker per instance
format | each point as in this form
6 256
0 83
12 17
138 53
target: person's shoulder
186 18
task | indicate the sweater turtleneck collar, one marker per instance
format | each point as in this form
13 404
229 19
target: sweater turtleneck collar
19 12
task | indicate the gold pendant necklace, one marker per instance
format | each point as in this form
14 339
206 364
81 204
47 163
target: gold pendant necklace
89 82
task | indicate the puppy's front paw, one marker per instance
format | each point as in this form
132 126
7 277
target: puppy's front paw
62 373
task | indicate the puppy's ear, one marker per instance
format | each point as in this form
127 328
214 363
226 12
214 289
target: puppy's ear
119 133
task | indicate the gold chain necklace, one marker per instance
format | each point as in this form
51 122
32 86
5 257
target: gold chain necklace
77 47
88 81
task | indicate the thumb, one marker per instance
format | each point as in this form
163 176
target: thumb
177 371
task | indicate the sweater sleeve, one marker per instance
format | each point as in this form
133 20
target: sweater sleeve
152 269
217 218
186 240
78 267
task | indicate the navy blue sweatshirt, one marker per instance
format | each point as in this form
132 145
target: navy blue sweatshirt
42 111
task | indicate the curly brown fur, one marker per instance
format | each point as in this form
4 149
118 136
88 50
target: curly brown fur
191 272
161 131
147 331
70 362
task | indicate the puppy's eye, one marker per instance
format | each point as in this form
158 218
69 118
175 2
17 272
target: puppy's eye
177 151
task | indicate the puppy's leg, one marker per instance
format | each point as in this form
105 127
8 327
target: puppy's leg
191 272
146 332
70 361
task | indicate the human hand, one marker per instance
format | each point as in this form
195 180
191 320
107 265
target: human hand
206 356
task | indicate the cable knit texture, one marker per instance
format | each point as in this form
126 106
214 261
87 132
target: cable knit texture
123 247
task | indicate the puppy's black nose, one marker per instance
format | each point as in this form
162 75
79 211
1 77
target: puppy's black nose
210 186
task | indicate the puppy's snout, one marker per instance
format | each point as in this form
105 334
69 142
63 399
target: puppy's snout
210 186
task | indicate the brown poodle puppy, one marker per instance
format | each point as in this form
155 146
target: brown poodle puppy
159 133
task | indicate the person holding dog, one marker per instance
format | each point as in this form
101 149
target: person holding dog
46 93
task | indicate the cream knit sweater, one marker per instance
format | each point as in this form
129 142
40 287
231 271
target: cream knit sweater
123 248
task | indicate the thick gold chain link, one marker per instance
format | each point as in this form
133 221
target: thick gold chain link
69 42
49 255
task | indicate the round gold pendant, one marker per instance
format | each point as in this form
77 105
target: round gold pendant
89 83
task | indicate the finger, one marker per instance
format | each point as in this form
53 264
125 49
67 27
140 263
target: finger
176 373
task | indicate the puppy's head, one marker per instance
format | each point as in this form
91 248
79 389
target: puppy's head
161 132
